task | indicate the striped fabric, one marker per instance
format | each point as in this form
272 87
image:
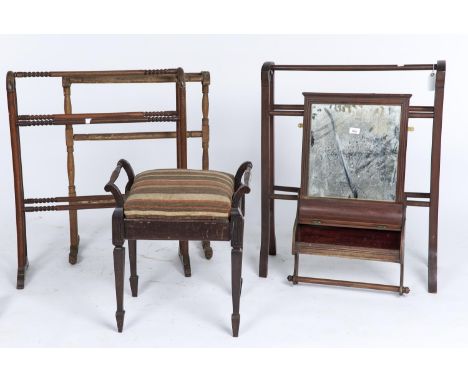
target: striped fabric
184 194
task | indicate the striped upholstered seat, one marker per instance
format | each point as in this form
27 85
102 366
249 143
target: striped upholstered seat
182 194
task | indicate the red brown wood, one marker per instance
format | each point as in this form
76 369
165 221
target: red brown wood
353 68
349 212
295 110
354 237
270 109
267 155
349 284
435 175
149 229
286 189
416 203
417 195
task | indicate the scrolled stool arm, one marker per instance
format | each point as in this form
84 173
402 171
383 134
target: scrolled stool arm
241 188
112 187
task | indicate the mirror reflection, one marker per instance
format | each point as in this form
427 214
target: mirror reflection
354 151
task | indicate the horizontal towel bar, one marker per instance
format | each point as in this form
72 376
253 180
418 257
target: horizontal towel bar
97 118
130 136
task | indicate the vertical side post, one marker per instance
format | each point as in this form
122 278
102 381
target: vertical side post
272 251
205 120
205 142
267 141
402 254
73 214
181 125
181 134
178 123
18 180
435 175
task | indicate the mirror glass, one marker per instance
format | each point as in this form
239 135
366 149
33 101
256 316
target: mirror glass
354 151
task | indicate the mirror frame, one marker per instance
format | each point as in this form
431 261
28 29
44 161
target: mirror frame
401 100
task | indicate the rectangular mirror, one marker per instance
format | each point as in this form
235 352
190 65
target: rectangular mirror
353 146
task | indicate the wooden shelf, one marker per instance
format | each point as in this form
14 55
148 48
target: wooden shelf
355 243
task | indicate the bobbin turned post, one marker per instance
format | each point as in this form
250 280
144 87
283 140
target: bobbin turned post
208 251
73 214
132 253
181 143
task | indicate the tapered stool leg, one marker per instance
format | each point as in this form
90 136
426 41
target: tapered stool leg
236 280
119 271
185 258
133 267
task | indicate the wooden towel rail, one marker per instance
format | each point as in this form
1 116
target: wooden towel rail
74 202
270 110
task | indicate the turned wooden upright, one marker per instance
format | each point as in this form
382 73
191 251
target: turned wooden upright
270 190
74 202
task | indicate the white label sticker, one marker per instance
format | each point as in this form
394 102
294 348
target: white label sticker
88 121
431 82
354 130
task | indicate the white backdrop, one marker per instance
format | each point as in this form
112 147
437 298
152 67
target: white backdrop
234 63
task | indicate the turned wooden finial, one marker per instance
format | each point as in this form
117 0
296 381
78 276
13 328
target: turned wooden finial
441 65
205 78
10 82
180 77
267 71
